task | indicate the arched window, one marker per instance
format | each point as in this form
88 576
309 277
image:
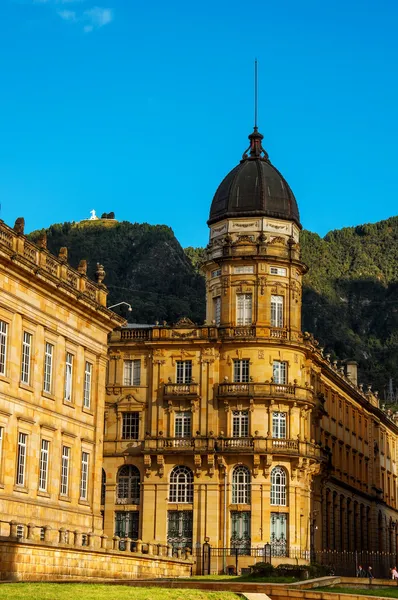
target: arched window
181 485
128 485
241 485
278 487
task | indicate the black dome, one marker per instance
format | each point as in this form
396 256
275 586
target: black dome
254 188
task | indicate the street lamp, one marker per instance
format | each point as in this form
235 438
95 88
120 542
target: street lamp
119 303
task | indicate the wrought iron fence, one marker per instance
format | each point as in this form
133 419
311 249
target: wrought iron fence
345 563
356 563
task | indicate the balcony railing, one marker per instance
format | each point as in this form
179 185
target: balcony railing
235 443
129 500
181 389
278 333
139 334
261 389
252 445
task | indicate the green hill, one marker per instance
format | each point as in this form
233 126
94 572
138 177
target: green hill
350 296
145 266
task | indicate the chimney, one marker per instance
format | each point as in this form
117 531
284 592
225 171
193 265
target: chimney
352 371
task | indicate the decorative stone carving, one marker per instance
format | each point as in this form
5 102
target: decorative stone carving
158 355
147 464
184 322
267 465
198 464
63 254
256 464
82 268
160 463
210 463
42 240
100 273
19 226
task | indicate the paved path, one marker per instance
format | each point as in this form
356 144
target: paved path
256 596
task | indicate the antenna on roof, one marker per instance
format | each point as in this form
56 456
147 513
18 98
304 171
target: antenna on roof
255 94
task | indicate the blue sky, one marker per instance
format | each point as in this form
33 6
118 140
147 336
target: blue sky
142 107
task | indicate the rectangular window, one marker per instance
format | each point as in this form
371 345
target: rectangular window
244 269
84 476
26 354
126 524
216 273
243 309
48 367
241 531
183 424
43 474
88 371
278 271
184 371
130 427
132 372
279 425
179 528
21 463
3 346
276 311
217 310
68 377
240 423
279 372
241 370
279 531
65 471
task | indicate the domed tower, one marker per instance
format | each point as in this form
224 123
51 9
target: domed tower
253 268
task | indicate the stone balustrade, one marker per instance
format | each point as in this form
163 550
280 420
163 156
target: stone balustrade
45 265
63 537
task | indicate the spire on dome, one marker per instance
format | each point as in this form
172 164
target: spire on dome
256 149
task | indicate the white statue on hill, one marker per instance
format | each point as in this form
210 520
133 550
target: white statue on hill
93 216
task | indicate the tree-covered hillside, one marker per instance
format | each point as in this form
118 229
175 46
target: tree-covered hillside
145 266
350 299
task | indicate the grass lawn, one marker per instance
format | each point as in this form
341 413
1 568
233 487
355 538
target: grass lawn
96 591
244 578
386 592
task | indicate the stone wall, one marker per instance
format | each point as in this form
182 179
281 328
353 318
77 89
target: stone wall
26 560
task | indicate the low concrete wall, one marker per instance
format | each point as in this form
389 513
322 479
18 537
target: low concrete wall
38 561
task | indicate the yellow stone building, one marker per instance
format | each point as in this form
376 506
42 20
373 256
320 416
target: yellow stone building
241 432
53 357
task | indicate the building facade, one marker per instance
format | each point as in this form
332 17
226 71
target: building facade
241 432
53 357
